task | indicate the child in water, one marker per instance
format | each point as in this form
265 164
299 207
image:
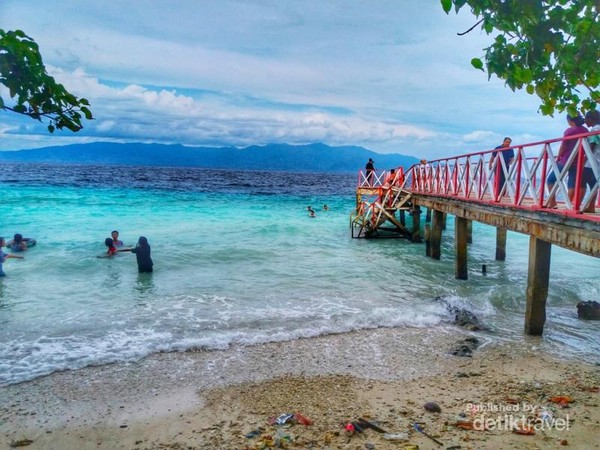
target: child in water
142 253
111 249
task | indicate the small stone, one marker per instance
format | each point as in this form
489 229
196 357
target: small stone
432 407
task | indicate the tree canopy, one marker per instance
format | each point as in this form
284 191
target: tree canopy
32 91
549 47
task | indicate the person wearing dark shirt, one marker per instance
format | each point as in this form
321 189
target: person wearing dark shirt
142 253
507 156
370 168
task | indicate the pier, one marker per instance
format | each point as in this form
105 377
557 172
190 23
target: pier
513 196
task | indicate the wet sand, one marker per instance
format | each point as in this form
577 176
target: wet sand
211 400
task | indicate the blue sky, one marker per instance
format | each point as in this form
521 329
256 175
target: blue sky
389 75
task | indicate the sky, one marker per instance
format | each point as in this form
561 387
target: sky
392 76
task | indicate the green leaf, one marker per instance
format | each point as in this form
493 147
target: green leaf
530 89
488 26
477 63
32 90
547 110
87 112
447 5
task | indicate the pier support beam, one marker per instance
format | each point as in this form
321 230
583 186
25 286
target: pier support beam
500 244
416 222
436 235
469 231
460 257
537 285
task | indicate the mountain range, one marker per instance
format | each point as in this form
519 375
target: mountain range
316 157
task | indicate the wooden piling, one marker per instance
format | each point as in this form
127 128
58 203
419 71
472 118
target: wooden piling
427 240
500 244
469 231
538 278
460 257
436 235
416 222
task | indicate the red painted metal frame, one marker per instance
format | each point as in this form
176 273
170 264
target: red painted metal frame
469 177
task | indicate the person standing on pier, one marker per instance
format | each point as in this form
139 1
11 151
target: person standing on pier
565 150
370 168
592 120
507 156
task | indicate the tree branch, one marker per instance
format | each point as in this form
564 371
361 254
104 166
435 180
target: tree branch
470 29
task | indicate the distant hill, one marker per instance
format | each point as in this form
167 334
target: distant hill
315 157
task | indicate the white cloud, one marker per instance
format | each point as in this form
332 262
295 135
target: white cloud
392 76
479 136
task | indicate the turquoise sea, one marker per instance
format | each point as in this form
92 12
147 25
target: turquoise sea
239 261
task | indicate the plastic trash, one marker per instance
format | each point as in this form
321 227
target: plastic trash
349 428
302 420
281 438
402 436
545 416
284 418
357 427
253 433
366 424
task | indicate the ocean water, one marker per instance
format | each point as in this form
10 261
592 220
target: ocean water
239 261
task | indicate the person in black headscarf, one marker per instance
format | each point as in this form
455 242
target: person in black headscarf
142 253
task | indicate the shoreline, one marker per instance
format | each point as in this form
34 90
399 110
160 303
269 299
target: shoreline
211 399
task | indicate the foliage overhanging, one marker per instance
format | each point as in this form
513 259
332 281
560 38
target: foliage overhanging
32 91
551 48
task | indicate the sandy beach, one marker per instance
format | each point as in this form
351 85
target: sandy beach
229 399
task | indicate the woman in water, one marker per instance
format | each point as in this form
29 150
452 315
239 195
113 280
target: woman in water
142 253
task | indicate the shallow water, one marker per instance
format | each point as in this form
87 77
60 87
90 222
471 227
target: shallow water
238 260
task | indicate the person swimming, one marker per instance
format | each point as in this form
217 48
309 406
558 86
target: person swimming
311 212
19 243
325 208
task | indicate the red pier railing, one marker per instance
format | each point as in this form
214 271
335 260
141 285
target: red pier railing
533 180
